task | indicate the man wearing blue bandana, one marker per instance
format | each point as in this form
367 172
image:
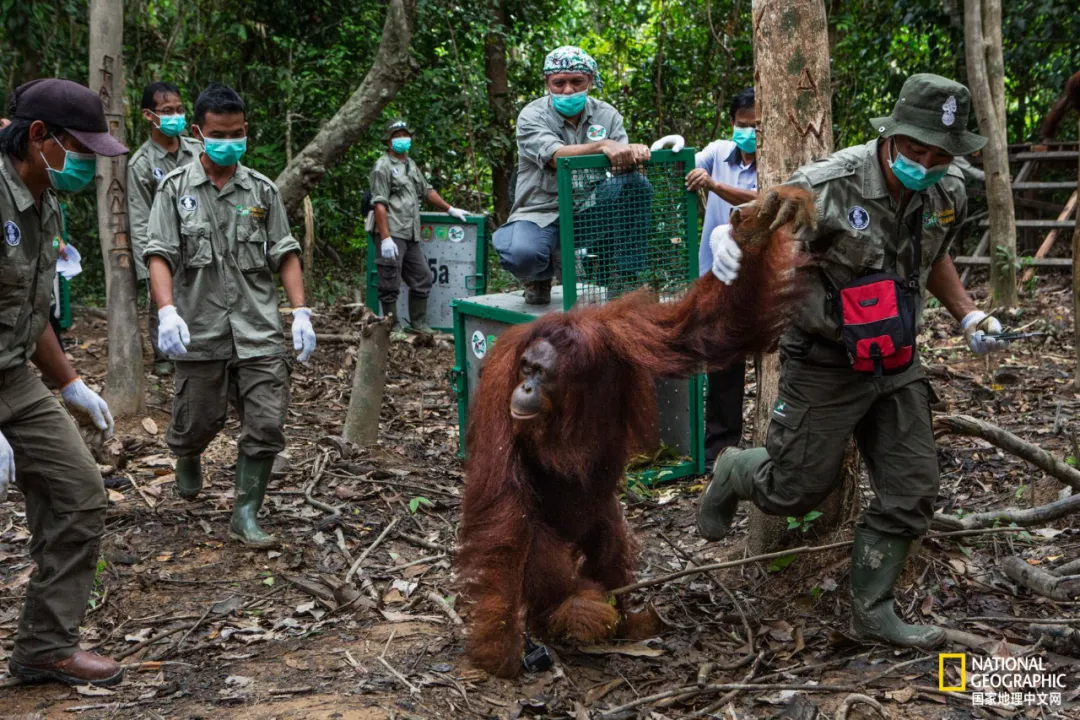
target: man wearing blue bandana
568 122
218 235
165 150
886 213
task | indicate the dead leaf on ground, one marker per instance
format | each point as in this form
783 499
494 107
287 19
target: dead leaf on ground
150 426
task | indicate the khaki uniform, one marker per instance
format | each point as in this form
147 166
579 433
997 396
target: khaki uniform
65 498
822 401
223 248
401 187
146 169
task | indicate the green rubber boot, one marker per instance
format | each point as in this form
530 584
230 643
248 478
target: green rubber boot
397 333
876 561
188 476
732 481
252 477
418 315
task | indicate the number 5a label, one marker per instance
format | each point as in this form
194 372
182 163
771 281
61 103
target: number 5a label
440 274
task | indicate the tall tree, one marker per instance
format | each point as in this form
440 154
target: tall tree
392 68
794 98
124 386
498 91
986 78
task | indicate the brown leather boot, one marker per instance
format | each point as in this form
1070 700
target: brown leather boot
81 668
538 292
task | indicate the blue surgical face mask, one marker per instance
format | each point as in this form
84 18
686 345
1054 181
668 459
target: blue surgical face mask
171 125
570 105
401 144
914 176
746 139
77 173
224 151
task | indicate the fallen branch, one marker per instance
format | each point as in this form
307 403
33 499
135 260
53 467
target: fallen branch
978 642
364 555
780 553
1023 517
856 698
967 425
1069 568
693 691
441 603
316 475
1040 582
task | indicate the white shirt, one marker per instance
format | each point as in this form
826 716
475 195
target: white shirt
723 162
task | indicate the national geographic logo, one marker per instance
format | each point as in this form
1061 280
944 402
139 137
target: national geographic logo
1001 681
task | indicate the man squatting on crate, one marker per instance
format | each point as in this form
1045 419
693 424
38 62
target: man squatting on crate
57 127
886 213
727 169
397 186
568 123
165 150
218 233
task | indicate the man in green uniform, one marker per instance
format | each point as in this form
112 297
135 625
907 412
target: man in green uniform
218 233
397 187
56 128
163 152
871 201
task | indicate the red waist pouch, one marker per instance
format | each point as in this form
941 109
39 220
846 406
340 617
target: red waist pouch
878 324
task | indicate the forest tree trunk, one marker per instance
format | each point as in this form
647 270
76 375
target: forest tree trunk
498 88
986 71
124 386
392 68
1076 284
369 384
794 96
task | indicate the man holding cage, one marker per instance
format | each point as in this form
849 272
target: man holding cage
567 122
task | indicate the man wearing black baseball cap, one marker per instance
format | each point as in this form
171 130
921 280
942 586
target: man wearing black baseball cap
56 129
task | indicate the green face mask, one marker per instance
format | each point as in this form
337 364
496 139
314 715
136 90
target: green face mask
171 125
224 151
77 173
401 144
570 105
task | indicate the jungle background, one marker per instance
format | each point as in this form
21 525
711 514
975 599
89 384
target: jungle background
669 67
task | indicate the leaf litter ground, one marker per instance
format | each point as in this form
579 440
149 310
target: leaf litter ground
211 629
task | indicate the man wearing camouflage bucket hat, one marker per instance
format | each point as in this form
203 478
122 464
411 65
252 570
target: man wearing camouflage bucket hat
885 211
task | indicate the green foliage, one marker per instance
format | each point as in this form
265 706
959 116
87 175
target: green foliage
804 523
416 502
98 592
781 562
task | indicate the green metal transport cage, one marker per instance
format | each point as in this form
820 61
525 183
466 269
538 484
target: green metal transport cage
456 253
617 232
61 287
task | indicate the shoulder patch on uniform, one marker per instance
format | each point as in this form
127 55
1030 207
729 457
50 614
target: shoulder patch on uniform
857 217
595 133
187 203
12 233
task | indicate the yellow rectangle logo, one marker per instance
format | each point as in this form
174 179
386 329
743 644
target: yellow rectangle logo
942 657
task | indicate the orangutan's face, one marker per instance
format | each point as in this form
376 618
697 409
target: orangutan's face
531 400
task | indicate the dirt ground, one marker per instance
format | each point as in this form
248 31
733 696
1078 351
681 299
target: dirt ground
210 629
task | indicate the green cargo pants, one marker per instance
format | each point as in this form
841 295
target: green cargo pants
257 387
410 267
65 512
818 409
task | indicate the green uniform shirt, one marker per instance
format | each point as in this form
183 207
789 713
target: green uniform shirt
400 186
146 169
860 231
223 248
540 133
29 245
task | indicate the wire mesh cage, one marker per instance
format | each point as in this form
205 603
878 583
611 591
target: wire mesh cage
620 231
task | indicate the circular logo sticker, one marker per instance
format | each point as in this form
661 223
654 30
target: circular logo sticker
188 203
479 345
440 232
12 233
158 174
858 218
457 234
596 132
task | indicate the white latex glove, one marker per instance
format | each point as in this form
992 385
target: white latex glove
88 404
173 335
457 213
726 254
7 466
979 329
389 249
303 335
676 142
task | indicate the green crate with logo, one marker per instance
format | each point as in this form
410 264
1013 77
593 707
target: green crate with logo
617 232
456 253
